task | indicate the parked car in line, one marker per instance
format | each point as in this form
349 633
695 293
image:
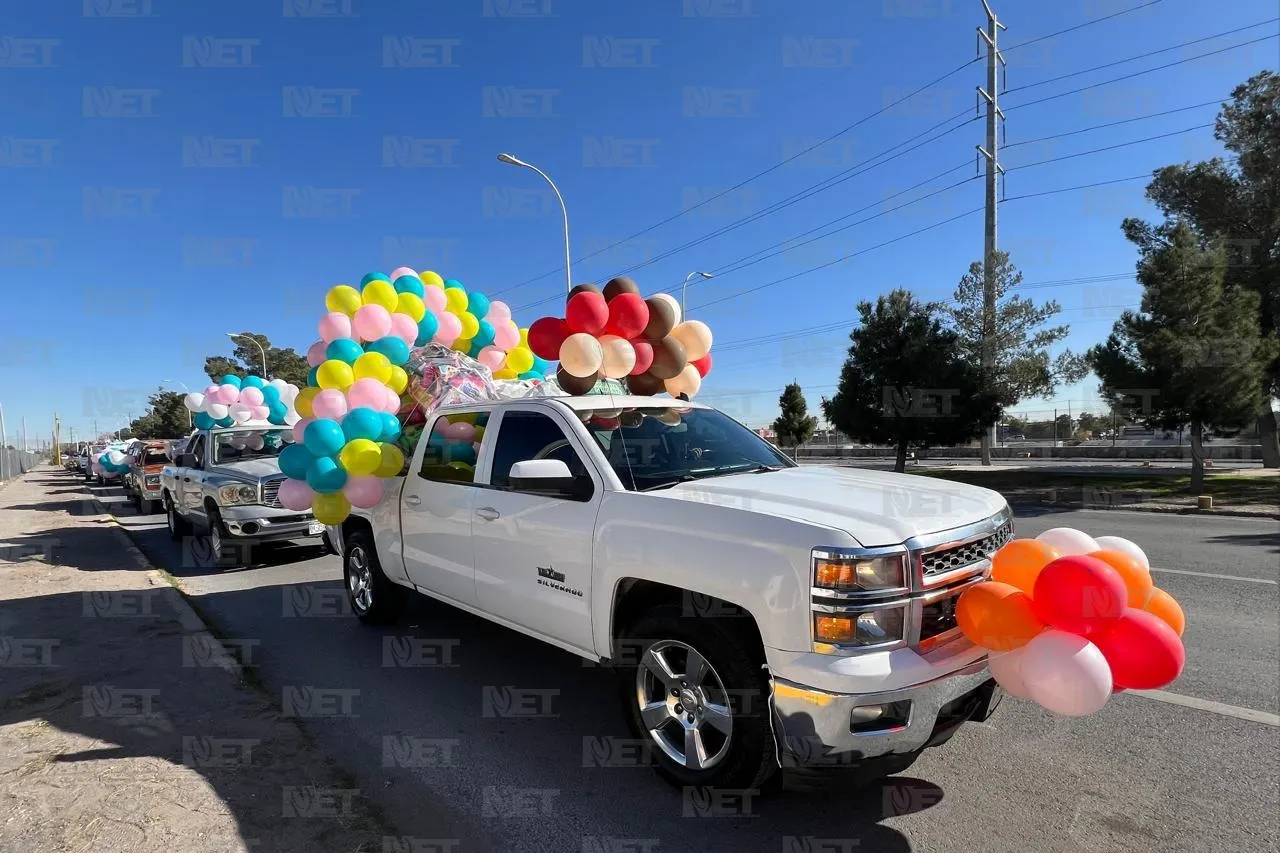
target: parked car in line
761 615
141 483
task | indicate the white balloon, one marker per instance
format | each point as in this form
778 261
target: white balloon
1119 543
291 417
675 306
1065 673
238 442
194 401
217 411
255 441
115 457
1068 541
278 383
241 412
1004 668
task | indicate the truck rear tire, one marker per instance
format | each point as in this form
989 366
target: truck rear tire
692 689
374 599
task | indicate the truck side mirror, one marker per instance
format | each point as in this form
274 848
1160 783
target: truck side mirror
549 477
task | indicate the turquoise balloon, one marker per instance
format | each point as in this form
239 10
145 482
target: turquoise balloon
427 328
460 453
326 475
475 348
271 394
202 420
374 276
450 283
324 437
226 422
229 379
478 304
343 349
395 349
311 378
276 412
362 423
540 366
531 374
253 382
485 336
390 426
409 284
295 460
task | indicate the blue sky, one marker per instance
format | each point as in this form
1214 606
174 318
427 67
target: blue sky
171 171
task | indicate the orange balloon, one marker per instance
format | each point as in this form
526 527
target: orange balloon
1019 562
997 616
1163 605
1137 577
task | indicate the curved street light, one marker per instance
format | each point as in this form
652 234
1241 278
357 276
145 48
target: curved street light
516 161
184 405
233 336
685 286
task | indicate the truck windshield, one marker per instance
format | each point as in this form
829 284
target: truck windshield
654 448
155 457
246 444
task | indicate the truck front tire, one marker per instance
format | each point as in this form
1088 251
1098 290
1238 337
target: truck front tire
178 526
374 599
696 694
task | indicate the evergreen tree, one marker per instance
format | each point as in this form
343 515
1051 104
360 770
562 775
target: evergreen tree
246 358
794 426
167 417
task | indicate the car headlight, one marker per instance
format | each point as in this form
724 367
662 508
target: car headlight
867 628
153 479
238 494
854 572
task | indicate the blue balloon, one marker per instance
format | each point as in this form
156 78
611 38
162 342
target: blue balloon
409 284
540 366
478 304
427 328
324 437
475 349
460 453
311 378
390 426
295 460
253 382
326 475
362 422
485 335
276 412
230 379
225 422
374 276
270 394
450 283
395 349
202 420
531 374
343 349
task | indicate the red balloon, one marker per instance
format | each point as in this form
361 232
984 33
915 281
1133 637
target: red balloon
703 365
644 357
545 337
1143 651
1080 594
628 315
586 312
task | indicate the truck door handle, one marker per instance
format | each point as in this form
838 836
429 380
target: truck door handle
186 479
488 513
413 500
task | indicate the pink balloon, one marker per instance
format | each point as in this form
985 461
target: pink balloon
372 322
334 325
299 429
460 432
399 271
392 404
403 327
366 393
211 390
434 298
363 492
261 412
506 335
315 354
492 357
295 495
251 396
499 312
450 326
228 394
330 403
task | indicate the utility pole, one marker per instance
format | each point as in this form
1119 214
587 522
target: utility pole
990 153
57 438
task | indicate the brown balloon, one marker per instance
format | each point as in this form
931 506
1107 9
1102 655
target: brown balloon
576 385
662 319
669 358
621 284
582 288
644 385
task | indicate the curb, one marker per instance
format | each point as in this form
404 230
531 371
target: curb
1167 510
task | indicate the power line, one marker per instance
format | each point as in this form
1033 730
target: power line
1087 23
1113 124
1110 147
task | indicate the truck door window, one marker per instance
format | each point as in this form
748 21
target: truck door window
196 449
530 435
454 447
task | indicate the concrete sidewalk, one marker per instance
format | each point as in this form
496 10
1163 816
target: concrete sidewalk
125 725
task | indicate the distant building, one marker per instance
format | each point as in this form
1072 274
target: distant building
767 434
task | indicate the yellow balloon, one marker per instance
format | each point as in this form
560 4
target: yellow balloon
431 279
411 304
360 457
479 436
462 345
302 403
505 373
470 325
379 292
331 509
464 418
335 374
524 338
344 298
372 365
399 379
455 300
392 461
520 359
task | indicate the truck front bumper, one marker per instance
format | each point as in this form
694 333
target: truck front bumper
263 524
816 729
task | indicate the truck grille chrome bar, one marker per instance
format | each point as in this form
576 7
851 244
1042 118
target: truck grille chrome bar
271 493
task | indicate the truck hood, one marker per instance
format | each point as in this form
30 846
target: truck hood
874 507
249 469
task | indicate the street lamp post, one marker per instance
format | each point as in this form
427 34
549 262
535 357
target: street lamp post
516 161
190 422
685 286
233 336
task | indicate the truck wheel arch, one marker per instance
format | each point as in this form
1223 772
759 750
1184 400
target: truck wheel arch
633 597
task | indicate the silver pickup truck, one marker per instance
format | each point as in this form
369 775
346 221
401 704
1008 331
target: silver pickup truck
225 485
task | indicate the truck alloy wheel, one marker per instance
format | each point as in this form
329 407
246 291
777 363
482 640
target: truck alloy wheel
684 705
374 599
359 580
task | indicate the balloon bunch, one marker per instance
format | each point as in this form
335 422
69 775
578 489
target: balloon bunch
111 463
618 334
232 400
455 445
1070 620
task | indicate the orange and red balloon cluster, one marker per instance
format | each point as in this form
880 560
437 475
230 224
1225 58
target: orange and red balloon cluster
618 334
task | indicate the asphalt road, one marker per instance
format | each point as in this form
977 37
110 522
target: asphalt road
1042 464
1143 774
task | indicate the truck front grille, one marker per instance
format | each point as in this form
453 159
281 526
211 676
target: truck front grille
938 617
961 556
271 493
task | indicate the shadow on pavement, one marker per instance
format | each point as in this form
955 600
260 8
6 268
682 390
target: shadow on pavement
1265 540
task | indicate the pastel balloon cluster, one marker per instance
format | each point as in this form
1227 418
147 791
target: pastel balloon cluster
618 334
232 400
1070 620
111 463
455 444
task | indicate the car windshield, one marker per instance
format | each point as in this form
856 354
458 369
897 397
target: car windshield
236 446
654 448
155 457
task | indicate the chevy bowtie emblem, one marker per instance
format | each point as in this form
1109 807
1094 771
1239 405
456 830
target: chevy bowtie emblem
550 574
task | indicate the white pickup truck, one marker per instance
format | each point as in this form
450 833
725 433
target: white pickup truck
761 615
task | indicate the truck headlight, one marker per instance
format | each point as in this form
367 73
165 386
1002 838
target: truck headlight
237 494
868 628
852 572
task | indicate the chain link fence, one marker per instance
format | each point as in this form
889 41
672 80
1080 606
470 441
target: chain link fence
15 463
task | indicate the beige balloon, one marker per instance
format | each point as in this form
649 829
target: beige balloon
581 355
619 356
695 336
687 382
673 302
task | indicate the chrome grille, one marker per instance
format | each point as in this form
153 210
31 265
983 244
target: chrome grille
271 493
950 559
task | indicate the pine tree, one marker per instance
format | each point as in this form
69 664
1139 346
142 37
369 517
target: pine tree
794 426
282 362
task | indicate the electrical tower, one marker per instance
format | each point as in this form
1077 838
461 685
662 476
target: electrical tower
991 154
